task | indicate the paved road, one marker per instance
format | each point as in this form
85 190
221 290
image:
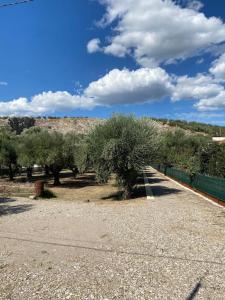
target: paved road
171 247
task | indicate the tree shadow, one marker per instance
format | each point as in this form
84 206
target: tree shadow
114 197
41 176
6 200
159 190
149 174
7 209
156 180
79 182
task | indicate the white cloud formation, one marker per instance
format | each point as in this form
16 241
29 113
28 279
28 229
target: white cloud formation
116 87
218 68
196 88
47 102
213 103
156 31
93 46
124 86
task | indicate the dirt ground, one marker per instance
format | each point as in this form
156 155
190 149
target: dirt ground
86 245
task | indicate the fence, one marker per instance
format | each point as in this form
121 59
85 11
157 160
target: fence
212 186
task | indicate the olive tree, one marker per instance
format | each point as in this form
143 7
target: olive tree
8 154
76 152
18 124
27 149
123 145
50 152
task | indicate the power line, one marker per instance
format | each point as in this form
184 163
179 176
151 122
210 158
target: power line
15 3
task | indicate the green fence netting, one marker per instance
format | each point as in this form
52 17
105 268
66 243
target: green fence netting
212 186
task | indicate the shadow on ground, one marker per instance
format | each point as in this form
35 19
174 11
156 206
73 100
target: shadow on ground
79 182
7 209
160 190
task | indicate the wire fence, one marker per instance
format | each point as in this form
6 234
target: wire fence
212 186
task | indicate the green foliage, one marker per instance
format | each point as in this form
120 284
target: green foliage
122 145
182 150
194 127
18 124
213 160
76 152
27 148
8 154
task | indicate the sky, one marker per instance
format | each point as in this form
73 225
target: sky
93 58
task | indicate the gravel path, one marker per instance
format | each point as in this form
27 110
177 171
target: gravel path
172 247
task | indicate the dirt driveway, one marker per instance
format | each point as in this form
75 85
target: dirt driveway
171 247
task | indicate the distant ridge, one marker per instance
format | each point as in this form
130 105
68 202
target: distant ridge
83 125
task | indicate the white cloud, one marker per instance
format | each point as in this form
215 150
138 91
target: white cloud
116 87
156 31
124 86
196 88
212 104
47 102
4 83
194 4
93 46
218 68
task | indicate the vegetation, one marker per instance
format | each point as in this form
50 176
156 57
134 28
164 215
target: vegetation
8 154
123 145
212 130
192 153
18 124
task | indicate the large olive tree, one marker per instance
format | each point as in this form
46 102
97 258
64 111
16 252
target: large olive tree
8 154
123 145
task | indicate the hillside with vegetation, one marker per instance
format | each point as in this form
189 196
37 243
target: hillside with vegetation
212 130
83 125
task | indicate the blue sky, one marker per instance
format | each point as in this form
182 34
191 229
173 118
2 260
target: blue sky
93 58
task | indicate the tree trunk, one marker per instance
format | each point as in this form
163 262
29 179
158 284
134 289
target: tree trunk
75 172
127 193
47 170
56 178
29 173
11 174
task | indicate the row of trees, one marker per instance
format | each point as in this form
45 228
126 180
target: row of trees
123 146
212 130
52 151
192 153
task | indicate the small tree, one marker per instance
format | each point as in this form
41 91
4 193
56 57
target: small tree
8 155
123 145
18 124
50 152
27 149
76 152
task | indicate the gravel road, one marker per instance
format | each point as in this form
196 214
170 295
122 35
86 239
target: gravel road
171 247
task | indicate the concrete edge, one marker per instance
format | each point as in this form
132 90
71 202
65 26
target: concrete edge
190 190
148 189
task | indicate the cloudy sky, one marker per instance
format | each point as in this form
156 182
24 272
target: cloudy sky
159 58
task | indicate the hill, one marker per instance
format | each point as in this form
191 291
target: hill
83 125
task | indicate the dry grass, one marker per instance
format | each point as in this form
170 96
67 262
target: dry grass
83 188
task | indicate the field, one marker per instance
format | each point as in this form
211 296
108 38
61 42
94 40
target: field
85 244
